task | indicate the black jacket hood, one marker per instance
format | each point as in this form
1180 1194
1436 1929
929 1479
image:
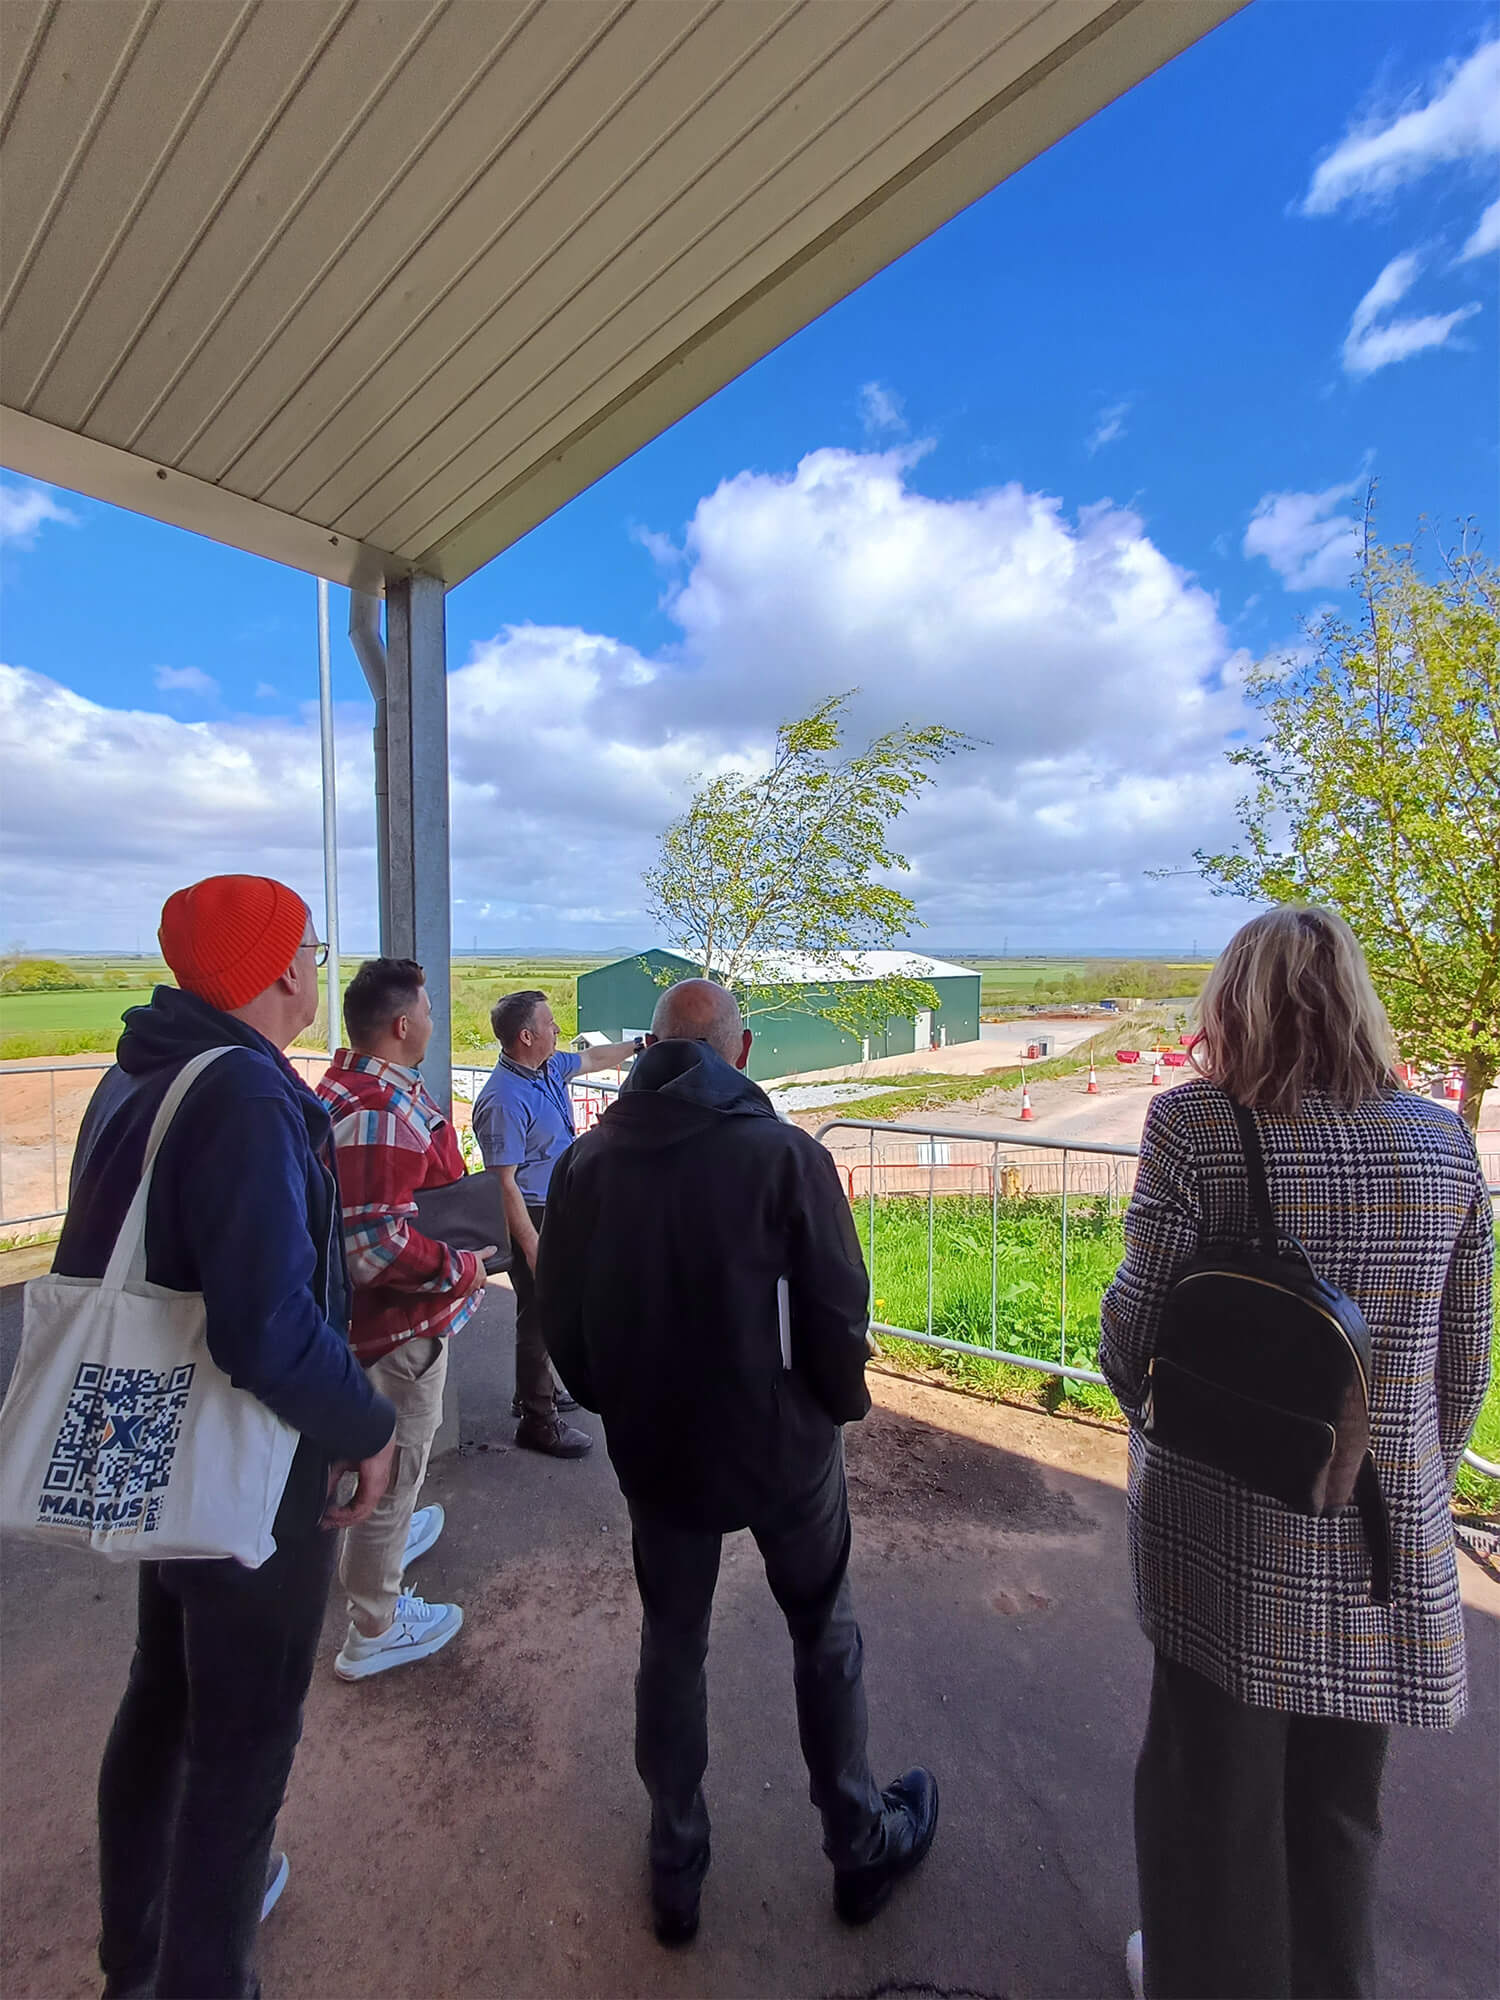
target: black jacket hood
689 1077
177 1026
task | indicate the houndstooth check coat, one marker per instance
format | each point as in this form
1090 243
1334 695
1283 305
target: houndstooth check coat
1271 1605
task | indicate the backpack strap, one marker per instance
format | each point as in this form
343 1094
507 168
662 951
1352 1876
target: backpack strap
1262 1213
1376 1523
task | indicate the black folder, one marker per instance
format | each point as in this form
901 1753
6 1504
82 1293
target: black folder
467 1215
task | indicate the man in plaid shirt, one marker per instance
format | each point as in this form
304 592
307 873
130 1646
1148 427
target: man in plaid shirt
410 1295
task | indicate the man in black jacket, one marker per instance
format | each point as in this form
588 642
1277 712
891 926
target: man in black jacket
703 1290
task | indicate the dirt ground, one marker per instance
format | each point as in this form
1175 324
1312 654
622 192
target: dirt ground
40 1097
473 1826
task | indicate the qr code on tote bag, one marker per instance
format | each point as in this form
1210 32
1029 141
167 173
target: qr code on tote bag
112 1459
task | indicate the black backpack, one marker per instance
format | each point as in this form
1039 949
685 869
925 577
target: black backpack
1263 1370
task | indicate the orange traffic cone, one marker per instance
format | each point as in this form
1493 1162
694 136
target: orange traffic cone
1156 1070
1027 1114
1093 1089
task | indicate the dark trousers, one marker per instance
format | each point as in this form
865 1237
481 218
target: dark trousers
196 1766
1256 1836
534 1381
805 1547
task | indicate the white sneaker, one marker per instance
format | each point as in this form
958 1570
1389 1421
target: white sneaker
1135 1965
418 1630
426 1526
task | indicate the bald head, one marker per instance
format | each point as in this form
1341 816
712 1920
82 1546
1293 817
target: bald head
696 1010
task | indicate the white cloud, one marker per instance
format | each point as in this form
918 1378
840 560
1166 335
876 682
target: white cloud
187 680
267 691
1309 544
1457 119
880 409
1111 425
1098 673
1486 236
1375 340
165 802
23 509
662 550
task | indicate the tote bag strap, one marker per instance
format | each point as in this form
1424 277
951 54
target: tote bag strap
127 1260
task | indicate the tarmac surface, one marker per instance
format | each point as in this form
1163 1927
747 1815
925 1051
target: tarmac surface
1064 1111
1001 1045
473 1826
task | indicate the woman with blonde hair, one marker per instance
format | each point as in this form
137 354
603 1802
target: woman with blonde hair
1278 1673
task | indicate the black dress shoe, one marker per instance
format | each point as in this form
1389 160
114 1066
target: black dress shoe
674 1899
911 1815
552 1436
674 1927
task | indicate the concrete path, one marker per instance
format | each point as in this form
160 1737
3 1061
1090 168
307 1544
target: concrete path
473 1826
1064 1111
1000 1046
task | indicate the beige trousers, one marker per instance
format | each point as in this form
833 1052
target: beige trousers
412 1376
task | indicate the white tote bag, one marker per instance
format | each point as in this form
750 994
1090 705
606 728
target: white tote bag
119 1433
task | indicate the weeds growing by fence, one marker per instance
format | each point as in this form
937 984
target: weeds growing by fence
1027 1271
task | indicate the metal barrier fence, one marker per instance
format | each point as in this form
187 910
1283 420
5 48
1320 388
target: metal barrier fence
1003 1166
590 1094
999 1164
41 1108
39 1126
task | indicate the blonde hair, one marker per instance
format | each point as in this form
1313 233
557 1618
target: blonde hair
1290 1007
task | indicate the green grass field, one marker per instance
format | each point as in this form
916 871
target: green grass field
75 1022
479 983
64 1024
1024 982
87 1020
1024 1282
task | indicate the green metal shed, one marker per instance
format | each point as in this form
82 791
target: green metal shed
617 1001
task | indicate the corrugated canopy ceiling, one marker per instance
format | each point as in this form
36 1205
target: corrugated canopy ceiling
370 286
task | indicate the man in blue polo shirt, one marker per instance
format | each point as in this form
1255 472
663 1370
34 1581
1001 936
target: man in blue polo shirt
523 1121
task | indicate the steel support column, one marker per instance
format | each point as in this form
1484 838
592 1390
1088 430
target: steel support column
417 891
415 907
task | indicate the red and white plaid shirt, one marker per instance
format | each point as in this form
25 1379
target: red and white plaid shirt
392 1139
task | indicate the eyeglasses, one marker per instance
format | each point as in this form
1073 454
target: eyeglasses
319 951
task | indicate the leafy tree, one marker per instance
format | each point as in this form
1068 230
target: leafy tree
38 975
1377 793
791 861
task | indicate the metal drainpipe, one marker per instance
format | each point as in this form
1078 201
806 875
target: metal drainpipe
331 986
369 646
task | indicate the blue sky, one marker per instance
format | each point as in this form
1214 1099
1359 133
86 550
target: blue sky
1051 478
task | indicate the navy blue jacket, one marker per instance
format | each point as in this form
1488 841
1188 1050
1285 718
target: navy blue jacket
244 1208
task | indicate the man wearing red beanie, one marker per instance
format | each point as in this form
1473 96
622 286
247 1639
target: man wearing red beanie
244 1209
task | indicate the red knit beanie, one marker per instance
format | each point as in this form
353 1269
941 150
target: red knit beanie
227 938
